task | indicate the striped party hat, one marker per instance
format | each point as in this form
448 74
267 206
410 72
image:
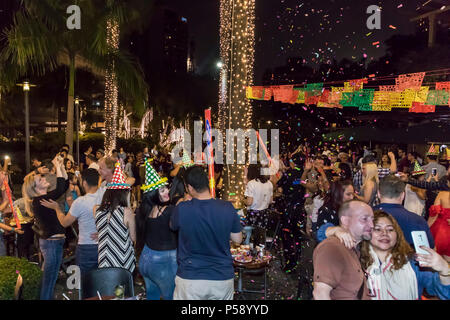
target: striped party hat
186 162
118 180
152 180
433 151
417 169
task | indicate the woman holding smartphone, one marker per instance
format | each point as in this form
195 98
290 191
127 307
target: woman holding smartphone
391 270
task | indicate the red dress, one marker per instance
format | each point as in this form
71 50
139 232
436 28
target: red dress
441 229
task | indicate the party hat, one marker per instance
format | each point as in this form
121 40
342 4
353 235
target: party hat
417 169
186 162
433 151
152 180
118 180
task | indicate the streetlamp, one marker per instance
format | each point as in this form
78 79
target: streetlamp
77 120
26 89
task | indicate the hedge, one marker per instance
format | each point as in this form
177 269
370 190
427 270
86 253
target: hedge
31 275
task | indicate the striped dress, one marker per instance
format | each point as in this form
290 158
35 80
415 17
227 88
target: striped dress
115 248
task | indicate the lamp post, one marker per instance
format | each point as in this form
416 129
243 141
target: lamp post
26 89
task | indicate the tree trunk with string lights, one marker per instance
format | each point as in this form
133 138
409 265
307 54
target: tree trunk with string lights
111 88
237 41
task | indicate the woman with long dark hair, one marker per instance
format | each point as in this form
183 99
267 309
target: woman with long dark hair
392 272
115 223
340 192
258 197
158 261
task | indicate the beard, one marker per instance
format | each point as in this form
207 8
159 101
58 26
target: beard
366 236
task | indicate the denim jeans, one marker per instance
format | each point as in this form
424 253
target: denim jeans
86 257
52 252
158 268
248 233
2 246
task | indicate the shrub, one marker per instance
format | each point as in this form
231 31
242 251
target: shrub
31 275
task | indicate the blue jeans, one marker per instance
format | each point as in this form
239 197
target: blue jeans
2 246
52 252
158 268
248 233
86 257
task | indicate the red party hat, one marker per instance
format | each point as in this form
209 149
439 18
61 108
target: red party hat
118 180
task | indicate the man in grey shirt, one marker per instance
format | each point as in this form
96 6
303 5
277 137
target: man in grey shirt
433 164
82 209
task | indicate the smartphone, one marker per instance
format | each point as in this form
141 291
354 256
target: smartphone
77 173
420 239
434 172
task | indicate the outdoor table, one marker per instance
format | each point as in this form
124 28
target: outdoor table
253 266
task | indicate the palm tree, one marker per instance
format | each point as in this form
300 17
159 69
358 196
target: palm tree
39 41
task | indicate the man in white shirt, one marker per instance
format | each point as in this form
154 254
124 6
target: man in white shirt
91 162
82 209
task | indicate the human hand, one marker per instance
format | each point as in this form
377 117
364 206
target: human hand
94 236
432 260
18 231
51 204
403 176
319 167
3 178
345 237
391 155
57 161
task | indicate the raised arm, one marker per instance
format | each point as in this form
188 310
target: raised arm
393 167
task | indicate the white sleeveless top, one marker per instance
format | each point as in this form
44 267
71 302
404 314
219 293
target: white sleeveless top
412 201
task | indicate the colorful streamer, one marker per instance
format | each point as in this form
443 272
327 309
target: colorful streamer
407 93
8 193
208 124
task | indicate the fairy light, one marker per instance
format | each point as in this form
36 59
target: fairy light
237 48
111 89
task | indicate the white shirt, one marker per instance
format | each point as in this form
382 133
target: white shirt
261 194
412 201
94 165
99 194
83 209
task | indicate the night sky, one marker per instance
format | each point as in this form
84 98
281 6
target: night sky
317 30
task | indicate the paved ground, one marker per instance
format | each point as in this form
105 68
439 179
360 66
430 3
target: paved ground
280 285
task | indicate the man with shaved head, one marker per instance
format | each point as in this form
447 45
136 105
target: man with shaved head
337 271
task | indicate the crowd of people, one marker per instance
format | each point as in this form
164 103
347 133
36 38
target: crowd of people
157 219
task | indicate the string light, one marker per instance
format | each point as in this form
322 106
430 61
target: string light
111 89
237 48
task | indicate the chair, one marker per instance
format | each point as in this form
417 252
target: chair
105 280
